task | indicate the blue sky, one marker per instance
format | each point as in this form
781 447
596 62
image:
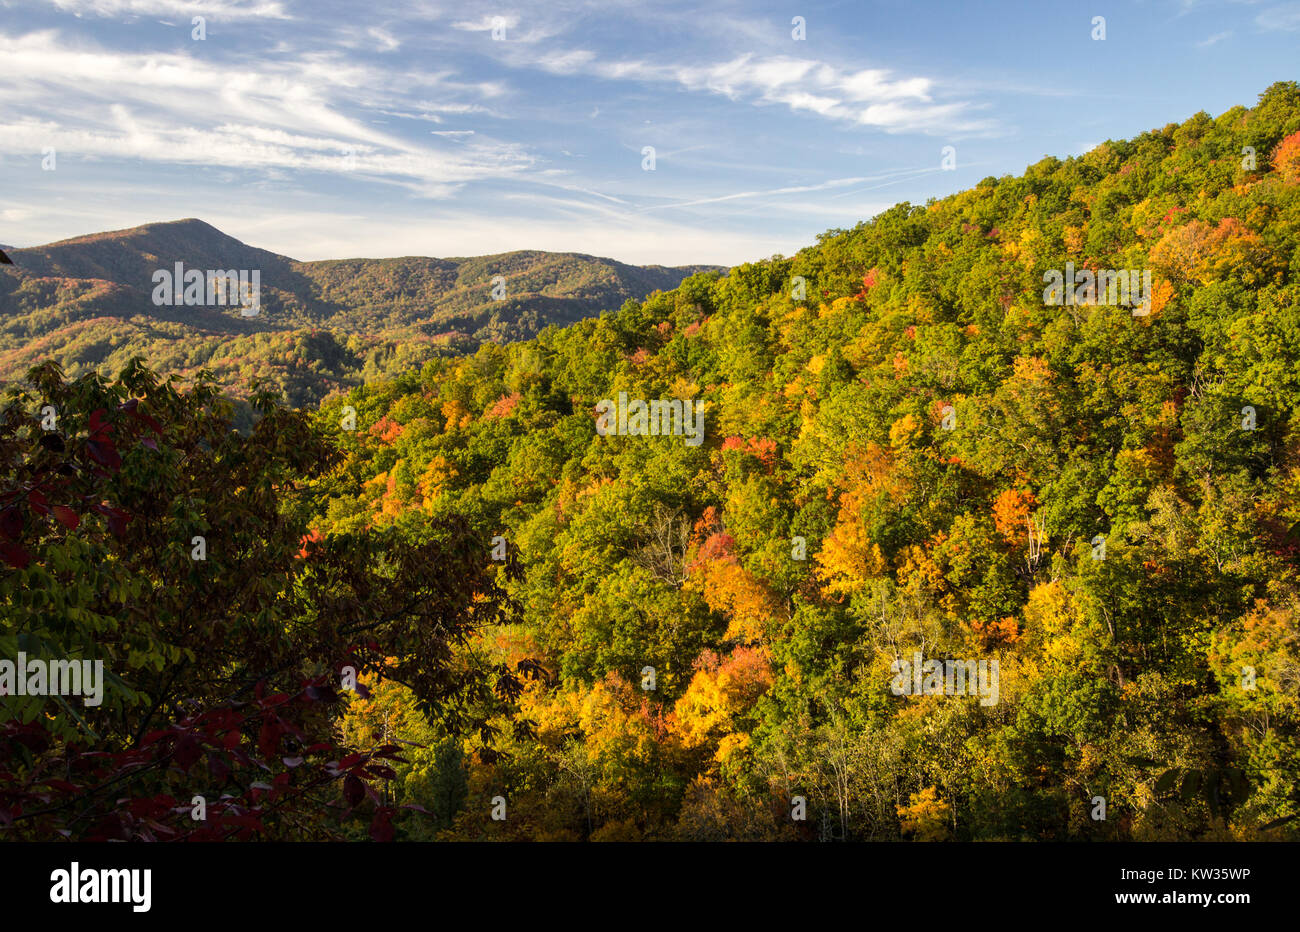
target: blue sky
388 128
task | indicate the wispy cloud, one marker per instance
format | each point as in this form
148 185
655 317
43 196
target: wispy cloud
791 189
1217 37
505 28
292 114
871 97
1286 16
217 9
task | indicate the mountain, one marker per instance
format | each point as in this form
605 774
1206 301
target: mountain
88 302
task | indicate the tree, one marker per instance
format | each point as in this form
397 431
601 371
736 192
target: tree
167 546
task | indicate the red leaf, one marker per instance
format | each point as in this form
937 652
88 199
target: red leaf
268 742
187 751
353 790
217 766
104 453
15 556
66 516
117 523
247 821
11 522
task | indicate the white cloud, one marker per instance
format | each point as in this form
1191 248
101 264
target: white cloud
487 23
869 97
387 41
507 26
791 189
1285 17
217 9
173 108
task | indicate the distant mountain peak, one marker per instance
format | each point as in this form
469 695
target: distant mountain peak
92 299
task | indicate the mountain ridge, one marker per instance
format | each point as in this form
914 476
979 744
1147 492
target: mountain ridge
87 300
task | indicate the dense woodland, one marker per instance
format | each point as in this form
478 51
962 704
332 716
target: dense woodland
918 454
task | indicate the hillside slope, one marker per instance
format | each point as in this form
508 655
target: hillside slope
910 451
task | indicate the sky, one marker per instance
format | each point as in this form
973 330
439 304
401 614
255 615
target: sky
381 128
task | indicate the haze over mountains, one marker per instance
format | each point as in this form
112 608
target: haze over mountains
87 302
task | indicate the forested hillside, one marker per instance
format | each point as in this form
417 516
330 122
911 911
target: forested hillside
87 303
922 455
569 627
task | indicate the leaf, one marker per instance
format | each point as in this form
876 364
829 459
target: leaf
1166 781
15 556
66 516
104 453
187 751
11 522
268 742
353 790
1279 822
117 524
1191 783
